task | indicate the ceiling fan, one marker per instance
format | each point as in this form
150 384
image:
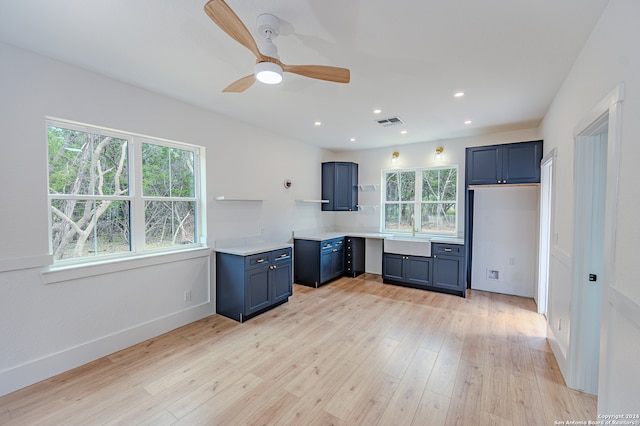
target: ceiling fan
268 68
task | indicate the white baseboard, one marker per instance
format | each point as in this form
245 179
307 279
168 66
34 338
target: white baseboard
558 352
34 371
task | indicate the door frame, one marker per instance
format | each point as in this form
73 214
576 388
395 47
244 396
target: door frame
582 362
547 201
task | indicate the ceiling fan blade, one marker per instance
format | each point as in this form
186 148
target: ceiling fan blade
321 72
241 85
228 21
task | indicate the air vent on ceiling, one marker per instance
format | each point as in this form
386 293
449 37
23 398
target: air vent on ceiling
386 122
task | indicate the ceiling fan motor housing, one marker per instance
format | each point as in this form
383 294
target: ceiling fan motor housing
268 25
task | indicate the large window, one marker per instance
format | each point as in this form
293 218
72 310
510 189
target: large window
423 199
113 194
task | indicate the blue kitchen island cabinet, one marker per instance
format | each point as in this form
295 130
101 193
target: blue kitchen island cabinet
317 262
249 285
340 186
410 271
513 163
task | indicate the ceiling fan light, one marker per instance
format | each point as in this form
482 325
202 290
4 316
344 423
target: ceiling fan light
268 72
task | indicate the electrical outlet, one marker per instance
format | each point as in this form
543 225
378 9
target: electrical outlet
493 274
512 261
187 295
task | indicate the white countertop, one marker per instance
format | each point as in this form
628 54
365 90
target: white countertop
249 248
320 236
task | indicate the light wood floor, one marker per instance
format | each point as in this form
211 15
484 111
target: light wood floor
355 351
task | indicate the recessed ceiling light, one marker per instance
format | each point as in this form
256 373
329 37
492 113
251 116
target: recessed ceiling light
352 139
468 122
377 111
458 94
317 123
403 132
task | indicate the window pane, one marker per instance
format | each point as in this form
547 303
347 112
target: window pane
430 185
83 163
440 217
167 172
83 228
392 187
406 217
450 185
391 216
408 185
169 223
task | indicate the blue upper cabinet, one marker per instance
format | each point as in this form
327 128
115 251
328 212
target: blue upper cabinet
513 163
340 186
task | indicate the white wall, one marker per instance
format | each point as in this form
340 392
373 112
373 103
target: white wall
49 328
505 239
609 57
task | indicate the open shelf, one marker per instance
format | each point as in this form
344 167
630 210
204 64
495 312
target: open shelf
226 198
369 187
313 201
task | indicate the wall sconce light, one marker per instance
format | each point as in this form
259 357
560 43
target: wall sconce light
439 151
394 156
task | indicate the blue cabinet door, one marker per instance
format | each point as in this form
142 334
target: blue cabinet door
257 294
392 267
521 162
418 271
484 165
448 272
281 281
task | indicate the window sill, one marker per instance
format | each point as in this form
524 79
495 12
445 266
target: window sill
57 274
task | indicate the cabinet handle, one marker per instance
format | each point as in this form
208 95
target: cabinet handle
335 250
447 249
283 255
339 242
259 260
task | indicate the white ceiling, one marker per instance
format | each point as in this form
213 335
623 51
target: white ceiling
407 57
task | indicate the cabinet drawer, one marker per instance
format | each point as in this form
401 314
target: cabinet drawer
281 255
255 260
447 249
330 245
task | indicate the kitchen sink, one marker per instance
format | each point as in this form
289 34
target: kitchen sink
410 246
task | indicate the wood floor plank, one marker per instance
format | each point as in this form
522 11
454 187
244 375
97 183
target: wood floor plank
432 409
465 405
352 352
495 393
525 402
408 394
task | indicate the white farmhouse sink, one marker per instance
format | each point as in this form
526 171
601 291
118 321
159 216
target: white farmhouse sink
410 246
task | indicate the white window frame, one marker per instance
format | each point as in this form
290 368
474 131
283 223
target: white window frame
417 202
137 201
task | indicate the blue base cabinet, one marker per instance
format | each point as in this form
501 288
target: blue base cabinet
443 272
412 271
448 268
317 262
249 285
